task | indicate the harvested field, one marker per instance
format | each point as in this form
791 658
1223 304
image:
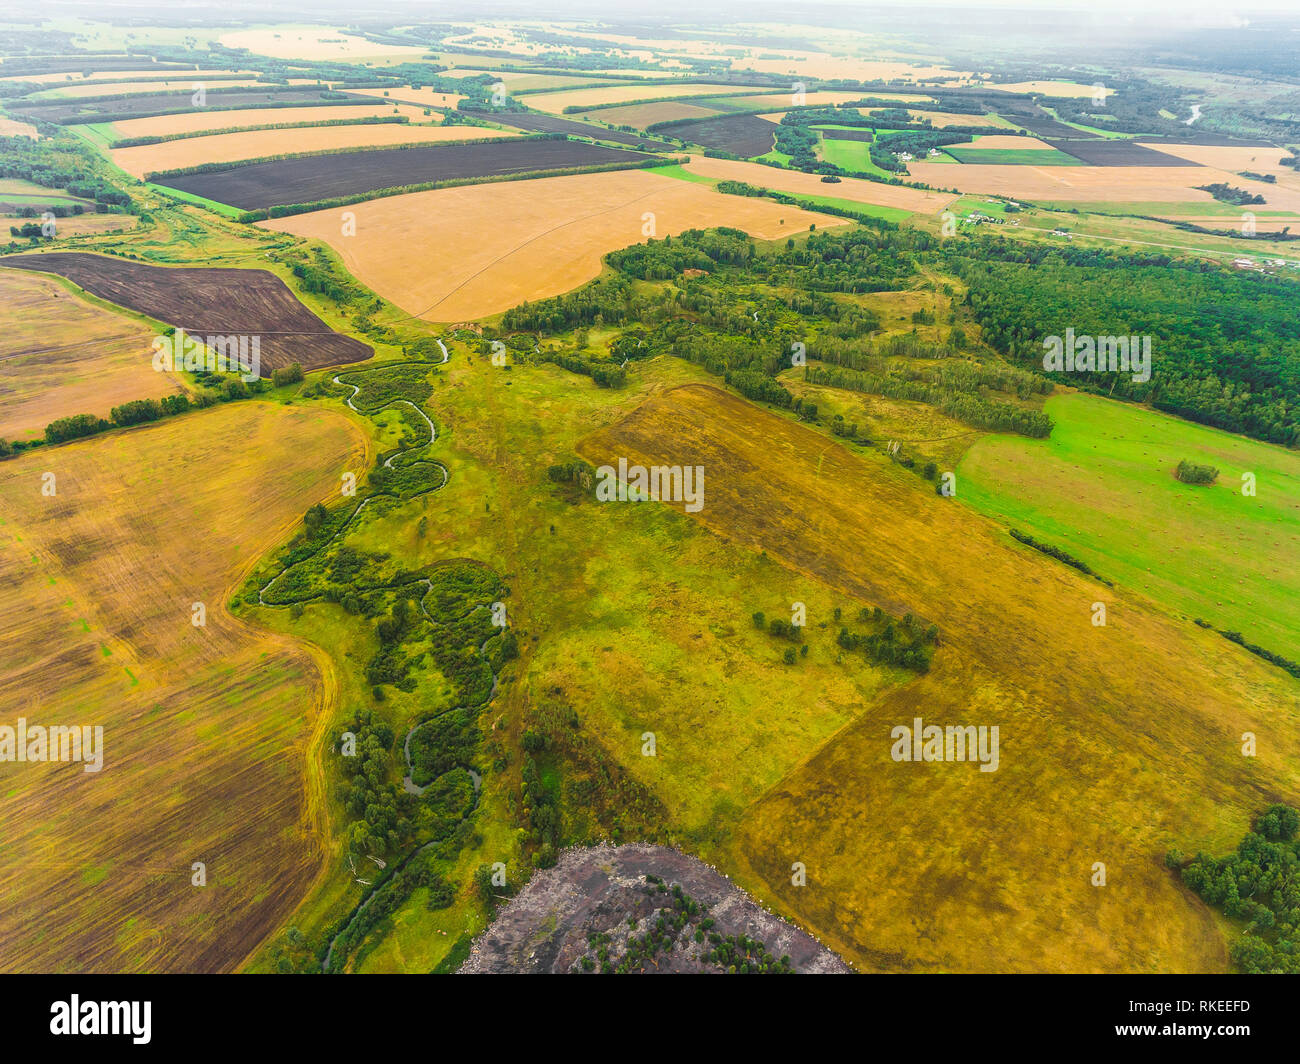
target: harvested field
1050 129
315 42
260 143
422 97
956 118
599 889
93 224
1010 142
1097 184
143 74
158 103
1234 158
210 302
531 122
1049 88
199 121
61 355
21 66
205 730
1099 761
11 127
1119 153
555 102
743 135
184 82
500 244
320 177
800 184
641 115
779 100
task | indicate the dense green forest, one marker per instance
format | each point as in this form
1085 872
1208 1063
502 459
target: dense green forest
1225 346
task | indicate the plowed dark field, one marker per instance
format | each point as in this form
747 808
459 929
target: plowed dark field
864 135
743 135
210 302
309 178
141 105
1118 153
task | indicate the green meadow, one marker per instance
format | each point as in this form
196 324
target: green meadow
1102 488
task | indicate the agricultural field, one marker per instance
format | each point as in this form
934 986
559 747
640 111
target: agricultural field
92 361
1209 552
643 115
309 179
538 123
262 143
626 496
743 135
509 242
887 543
113 108
801 184
204 728
193 122
582 99
208 302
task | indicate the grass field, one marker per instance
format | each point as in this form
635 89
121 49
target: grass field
205 728
1107 468
91 362
507 242
1100 760
851 155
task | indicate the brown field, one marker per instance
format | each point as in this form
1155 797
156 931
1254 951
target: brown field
1233 159
314 42
1100 761
1048 88
424 96
799 183
184 80
94 224
954 118
11 127
62 355
640 115
1097 184
519 81
144 74
198 121
206 730
555 102
208 301
260 143
497 245
826 98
